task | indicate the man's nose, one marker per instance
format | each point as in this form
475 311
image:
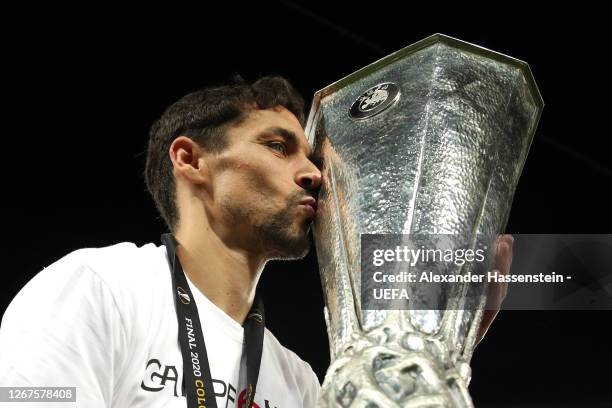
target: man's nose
309 179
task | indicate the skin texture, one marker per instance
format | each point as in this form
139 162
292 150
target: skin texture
497 291
241 207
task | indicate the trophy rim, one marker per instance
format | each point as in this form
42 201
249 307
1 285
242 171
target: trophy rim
413 48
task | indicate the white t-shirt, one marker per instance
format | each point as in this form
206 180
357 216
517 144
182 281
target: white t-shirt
103 320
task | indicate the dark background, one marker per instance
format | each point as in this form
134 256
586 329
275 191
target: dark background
81 88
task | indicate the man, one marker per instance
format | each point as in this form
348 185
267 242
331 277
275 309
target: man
231 173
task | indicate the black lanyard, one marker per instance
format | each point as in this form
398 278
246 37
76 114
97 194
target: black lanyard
197 380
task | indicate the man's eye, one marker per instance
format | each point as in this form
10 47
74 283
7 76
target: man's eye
278 147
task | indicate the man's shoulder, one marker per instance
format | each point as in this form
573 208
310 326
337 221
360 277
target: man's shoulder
111 256
85 317
119 264
122 270
134 275
121 279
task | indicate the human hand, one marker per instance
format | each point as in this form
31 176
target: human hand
497 290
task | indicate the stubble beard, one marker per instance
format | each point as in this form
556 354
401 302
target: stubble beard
281 238
276 234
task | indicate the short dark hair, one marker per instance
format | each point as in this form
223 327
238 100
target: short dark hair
204 116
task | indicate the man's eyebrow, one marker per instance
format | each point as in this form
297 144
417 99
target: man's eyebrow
289 136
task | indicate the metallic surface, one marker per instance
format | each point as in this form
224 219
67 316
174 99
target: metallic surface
375 100
443 159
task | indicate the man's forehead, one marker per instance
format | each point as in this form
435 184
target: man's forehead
278 118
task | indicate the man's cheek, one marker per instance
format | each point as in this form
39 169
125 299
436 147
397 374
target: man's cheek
261 184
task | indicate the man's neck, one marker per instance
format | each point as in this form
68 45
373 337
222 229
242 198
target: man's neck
226 276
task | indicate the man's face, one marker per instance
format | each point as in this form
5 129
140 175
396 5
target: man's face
263 184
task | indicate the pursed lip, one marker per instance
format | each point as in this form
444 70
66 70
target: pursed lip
309 203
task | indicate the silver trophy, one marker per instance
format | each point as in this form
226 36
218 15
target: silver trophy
428 140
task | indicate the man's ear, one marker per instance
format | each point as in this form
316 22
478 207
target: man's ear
187 159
